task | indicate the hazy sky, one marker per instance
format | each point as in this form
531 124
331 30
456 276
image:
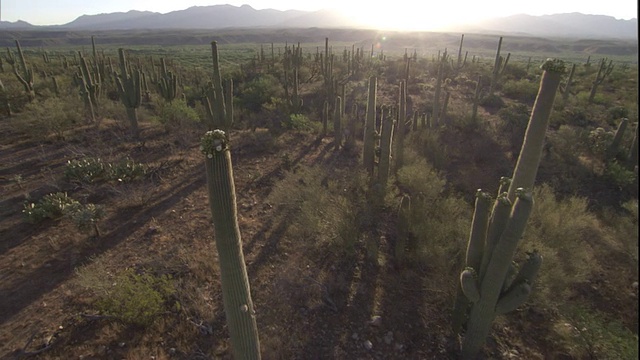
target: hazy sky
410 14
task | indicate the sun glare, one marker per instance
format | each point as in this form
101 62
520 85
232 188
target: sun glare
410 17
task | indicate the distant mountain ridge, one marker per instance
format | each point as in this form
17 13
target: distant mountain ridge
570 25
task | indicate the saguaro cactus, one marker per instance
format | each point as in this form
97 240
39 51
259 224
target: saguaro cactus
129 85
603 71
486 282
219 117
526 168
494 292
25 76
236 294
400 127
385 147
337 123
368 149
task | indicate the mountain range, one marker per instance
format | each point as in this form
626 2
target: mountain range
569 25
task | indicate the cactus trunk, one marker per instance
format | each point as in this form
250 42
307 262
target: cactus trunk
236 293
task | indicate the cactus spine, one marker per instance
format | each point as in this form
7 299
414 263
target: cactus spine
526 168
236 293
368 150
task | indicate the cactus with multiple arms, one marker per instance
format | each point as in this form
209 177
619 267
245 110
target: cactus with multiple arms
604 70
236 294
489 284
25 76
129 85
219 116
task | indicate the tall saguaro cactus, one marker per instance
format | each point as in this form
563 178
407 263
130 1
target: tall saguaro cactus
604 69
25 76
219 116
129 85
368 149
236 294
488 286
526 168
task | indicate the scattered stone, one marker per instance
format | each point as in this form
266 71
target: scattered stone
388 338
634 286
354 336
172 351
122 344
375 320
368 345
399 347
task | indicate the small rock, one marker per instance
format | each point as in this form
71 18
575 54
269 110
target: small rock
172 351
634 286
368 345
122 344
375 320
354 336
399 347
388 338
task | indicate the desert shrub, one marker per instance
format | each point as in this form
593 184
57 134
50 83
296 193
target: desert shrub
51 206
55 115
563 231
438 221
427 144
522 90
618 112
135 298
320 209
599 141
176 115
597 336
623 226
86 217
492 101
515 119
298 122
257 92
618 175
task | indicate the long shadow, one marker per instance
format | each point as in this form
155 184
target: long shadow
22 292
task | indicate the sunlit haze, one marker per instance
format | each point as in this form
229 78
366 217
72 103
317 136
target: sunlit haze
402 15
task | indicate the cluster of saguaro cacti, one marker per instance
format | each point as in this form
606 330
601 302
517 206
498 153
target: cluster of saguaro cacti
292 61
236 293
489 284
129 88
604 69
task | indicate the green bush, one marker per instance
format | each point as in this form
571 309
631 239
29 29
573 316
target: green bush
55 115
86 217
129 296
522 90
176 115
598 336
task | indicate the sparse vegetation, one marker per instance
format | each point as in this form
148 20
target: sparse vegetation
353 245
